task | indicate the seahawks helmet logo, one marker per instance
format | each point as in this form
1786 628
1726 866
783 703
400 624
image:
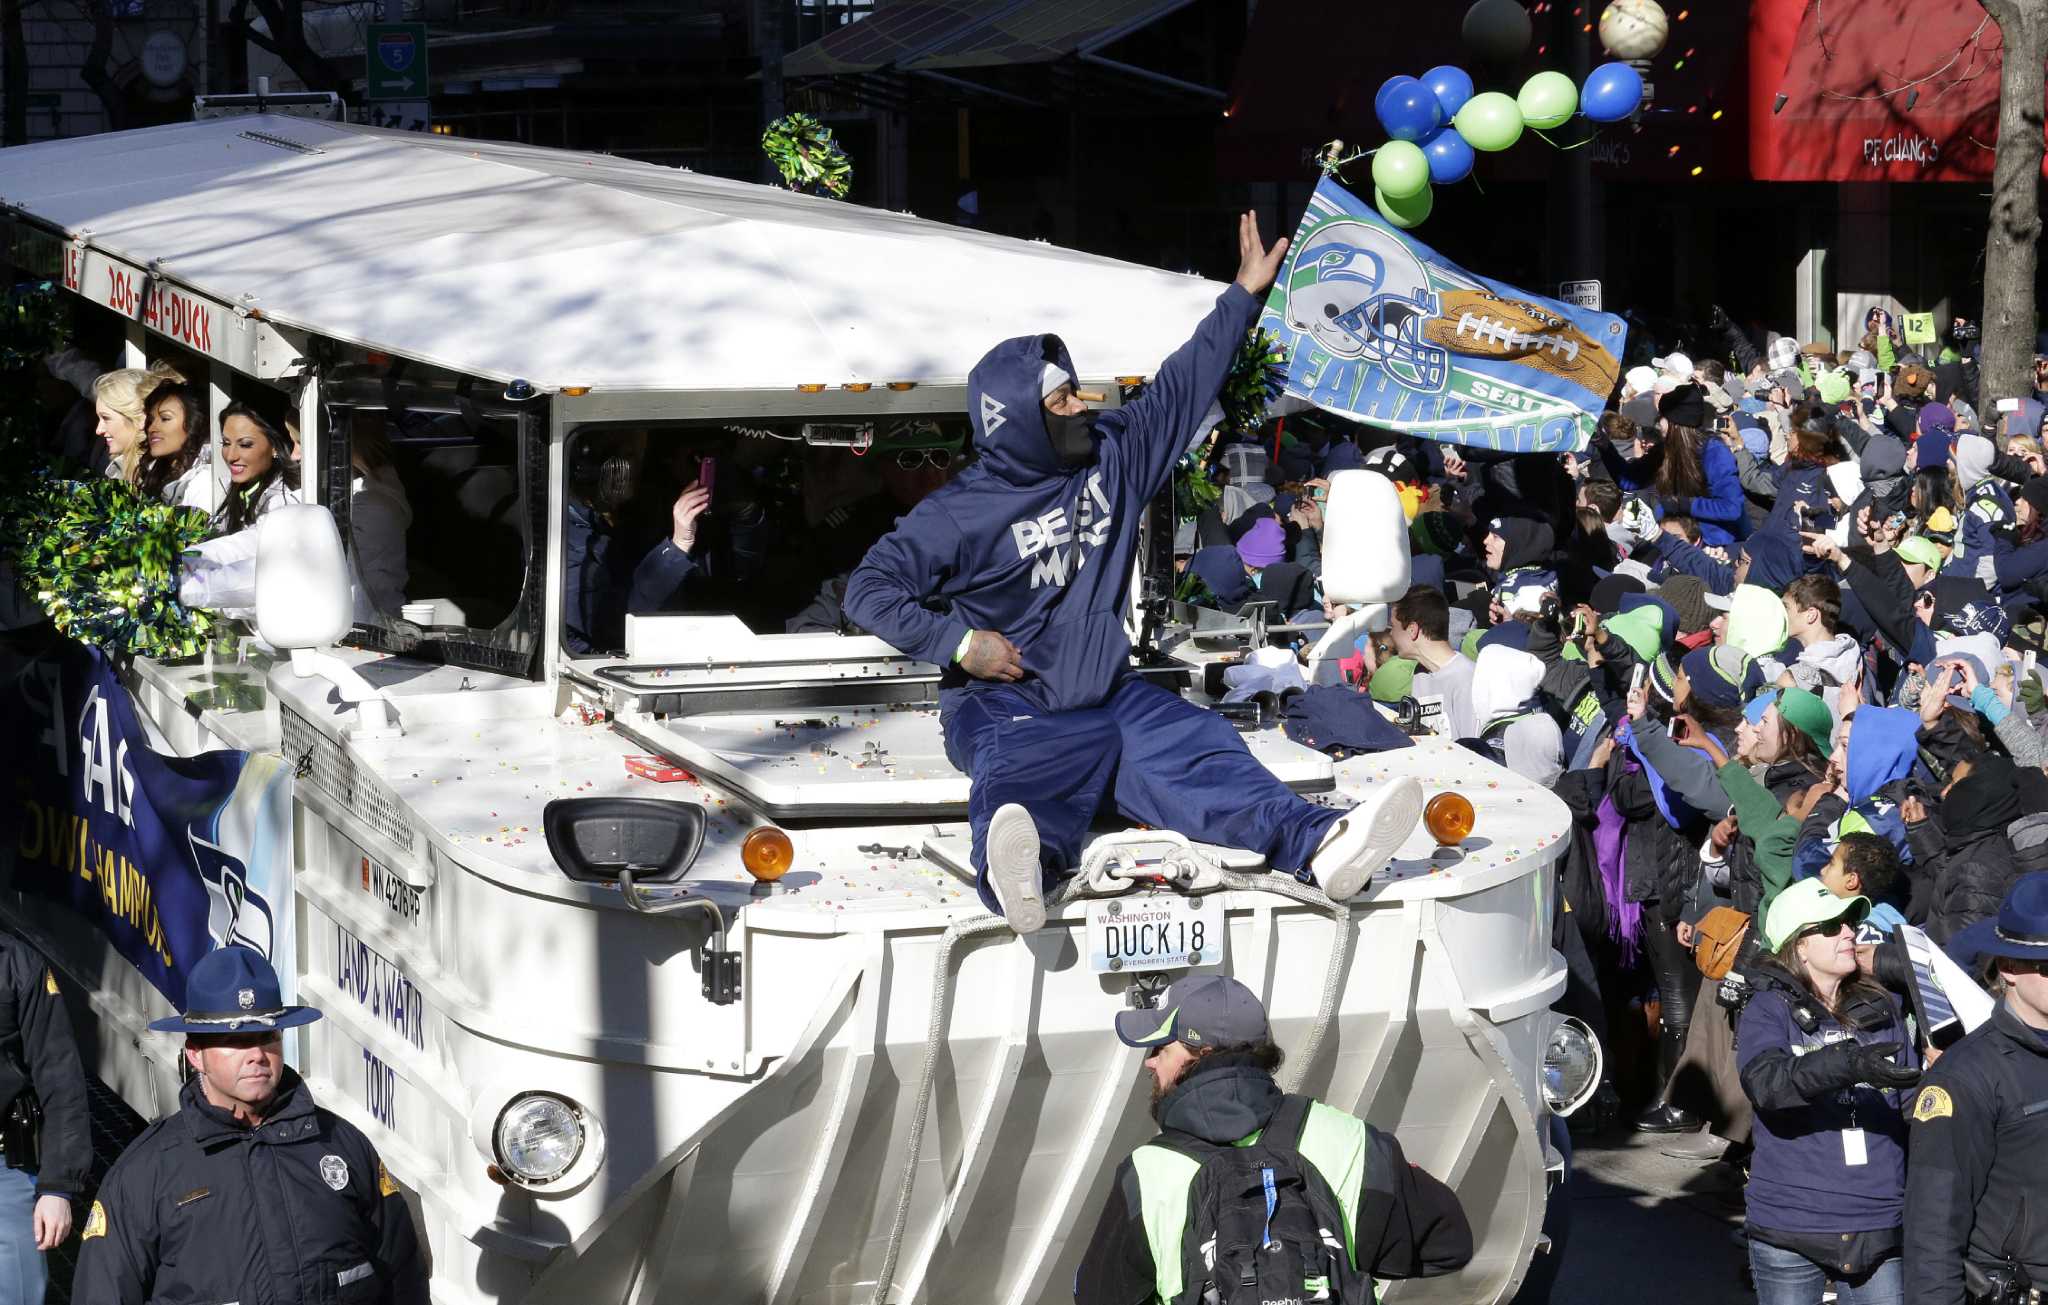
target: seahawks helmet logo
1359 292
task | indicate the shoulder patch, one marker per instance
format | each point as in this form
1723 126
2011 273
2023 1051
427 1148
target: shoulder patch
386 1184
49 981
95 1223
1932 1103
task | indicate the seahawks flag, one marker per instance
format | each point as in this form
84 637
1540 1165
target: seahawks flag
1382 329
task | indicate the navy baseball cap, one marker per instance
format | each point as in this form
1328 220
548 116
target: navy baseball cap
234 990
1201 1010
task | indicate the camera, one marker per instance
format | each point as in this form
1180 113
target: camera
2004 1284
1965 329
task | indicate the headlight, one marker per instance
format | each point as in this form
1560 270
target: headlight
539 1137
1571 1067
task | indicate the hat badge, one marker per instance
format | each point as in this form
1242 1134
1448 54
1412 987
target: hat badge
246 998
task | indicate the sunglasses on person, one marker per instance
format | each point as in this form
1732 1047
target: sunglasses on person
1826 928
913 459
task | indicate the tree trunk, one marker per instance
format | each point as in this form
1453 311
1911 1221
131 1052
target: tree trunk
13 75
287 40
94 72
2009 256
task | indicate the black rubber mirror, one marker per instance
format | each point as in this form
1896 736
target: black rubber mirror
593 839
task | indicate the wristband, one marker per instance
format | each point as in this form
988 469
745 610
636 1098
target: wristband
960 653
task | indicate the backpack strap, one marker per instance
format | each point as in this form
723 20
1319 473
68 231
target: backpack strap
1284 1128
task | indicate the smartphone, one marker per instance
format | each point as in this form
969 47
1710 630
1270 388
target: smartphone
1637 676
707 473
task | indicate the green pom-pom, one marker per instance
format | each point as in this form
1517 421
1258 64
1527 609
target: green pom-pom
810 161
102 556
1258 372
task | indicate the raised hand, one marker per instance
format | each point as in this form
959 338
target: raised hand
1256 264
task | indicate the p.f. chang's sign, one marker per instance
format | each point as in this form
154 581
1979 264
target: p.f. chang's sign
202 325
1884 151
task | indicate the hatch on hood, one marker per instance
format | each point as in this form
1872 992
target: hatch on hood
878 761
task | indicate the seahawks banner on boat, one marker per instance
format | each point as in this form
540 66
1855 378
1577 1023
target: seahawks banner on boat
1381 329
168 856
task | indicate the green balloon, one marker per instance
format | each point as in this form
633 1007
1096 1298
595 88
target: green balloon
1400 169
1489 121
1548 99
1408 212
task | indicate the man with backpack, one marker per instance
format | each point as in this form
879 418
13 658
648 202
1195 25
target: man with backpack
1250 1194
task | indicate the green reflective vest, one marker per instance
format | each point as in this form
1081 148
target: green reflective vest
1331 1140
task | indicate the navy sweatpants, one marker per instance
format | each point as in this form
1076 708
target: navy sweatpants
1163 761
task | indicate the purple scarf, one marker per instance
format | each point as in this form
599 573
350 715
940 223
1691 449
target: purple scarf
1610 846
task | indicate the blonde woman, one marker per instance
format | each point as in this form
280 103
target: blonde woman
121 404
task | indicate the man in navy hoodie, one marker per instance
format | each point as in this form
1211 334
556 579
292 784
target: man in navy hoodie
1015 577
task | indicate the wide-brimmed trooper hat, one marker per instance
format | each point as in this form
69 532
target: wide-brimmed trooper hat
2021 929
234 990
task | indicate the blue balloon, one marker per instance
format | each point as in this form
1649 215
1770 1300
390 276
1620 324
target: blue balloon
1407 109
1450 158
1612 92
1451 86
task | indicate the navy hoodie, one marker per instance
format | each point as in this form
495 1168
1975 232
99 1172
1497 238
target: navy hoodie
1036 551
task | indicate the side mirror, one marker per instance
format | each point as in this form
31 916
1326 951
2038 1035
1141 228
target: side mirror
304 602
303 597
1365 562
595 839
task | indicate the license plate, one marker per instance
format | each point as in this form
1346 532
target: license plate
1154 931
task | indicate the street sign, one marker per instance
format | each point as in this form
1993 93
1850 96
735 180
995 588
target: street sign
396 58
1581 294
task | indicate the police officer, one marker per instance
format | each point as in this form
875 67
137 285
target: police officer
250 1192
1976 1186
1211 1060
38 1067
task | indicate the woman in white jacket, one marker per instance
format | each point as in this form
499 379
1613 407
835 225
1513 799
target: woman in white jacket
178 467
261 476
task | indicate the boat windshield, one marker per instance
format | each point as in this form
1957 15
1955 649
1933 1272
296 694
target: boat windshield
793 506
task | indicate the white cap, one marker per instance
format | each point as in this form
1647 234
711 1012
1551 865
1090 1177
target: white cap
1641 380
1675 364
1051 379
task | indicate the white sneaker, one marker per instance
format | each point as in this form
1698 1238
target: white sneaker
1011 846
1366 837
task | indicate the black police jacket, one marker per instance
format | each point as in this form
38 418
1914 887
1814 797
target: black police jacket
1976 1189
202 1209
37 1051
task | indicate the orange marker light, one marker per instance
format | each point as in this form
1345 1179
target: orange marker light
767 853
1448 817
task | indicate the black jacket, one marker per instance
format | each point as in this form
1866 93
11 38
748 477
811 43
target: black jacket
1409 1224
297 1211
37 1051
1975 1185
1974 865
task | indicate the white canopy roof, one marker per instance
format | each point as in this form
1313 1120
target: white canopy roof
581 269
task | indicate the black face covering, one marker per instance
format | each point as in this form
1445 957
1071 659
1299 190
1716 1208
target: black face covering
1072 438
